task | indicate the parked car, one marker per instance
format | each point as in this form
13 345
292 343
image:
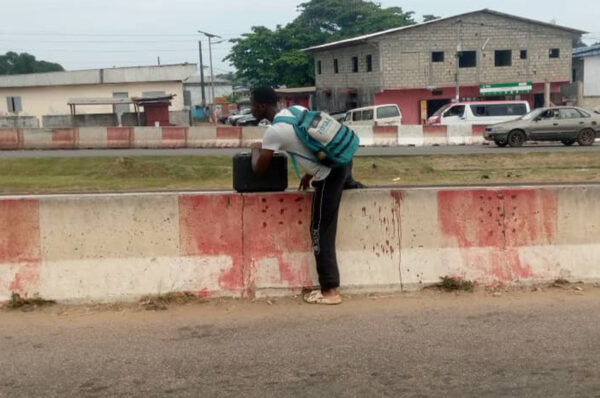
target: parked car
480 112
381 115
234 118
567 124
250 120
339 116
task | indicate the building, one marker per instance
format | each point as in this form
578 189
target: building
421 67
47 94
586 69
193 85
303 96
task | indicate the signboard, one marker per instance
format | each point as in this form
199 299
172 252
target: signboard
505 88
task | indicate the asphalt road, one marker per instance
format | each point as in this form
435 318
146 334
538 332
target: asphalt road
431 344
365 151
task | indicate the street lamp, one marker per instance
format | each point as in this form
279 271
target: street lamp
212 75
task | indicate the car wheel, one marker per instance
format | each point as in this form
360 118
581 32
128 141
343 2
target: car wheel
586 137
516 138
568 142
500 142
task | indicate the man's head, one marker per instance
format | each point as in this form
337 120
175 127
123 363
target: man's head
264 103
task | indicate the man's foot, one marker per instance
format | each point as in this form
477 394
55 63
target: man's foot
317 297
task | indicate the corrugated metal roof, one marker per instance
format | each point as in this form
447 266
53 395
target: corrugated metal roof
584 52
358 39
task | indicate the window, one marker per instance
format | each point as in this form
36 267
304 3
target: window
458 110
354 64
569 113
499 110
335 66
121 108
523 54
367 115
387 111
437 56
356 116
554 53
319 67
13 104
369 63
467 59
503 57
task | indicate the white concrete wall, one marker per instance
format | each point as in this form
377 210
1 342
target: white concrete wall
591 76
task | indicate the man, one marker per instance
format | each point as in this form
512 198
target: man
328 183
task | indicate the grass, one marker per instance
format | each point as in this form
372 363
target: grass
64 175
26 304
450 284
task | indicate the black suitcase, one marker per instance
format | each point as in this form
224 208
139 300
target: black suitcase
275 179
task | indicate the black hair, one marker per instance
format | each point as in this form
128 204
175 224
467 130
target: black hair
264 95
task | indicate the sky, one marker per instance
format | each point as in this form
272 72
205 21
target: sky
88 34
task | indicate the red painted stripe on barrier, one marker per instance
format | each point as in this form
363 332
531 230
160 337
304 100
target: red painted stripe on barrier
477 130
20 242
435 131
64 138
9 139
119 137
385 132
212 225
500 221
174 137
275 225
229 133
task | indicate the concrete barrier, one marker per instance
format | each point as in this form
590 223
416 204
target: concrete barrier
93 138
11 139
251 135
148 137
120 247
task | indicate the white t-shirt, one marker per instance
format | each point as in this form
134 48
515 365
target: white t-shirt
282 137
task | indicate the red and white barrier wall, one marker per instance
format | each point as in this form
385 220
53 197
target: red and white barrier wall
120 247
219 136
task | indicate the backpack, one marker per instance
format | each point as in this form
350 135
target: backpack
332 143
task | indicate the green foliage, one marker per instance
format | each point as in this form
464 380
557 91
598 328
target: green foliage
430 17
577 42
14 64
273 57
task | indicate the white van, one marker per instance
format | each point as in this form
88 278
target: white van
380 115
482 112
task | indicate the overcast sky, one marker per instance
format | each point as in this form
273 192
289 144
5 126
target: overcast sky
84 34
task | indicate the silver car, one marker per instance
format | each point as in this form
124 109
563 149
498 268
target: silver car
567 124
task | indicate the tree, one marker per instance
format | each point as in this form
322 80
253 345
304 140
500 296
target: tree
14 64
577 42
430 17
274 57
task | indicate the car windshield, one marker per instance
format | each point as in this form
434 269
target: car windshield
442 110
532 115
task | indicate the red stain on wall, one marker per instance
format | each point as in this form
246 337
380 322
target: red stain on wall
64 138
119 137
20 242
174 137
212 225
9 139
501 221
276 224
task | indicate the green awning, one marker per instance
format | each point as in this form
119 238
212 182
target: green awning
505 88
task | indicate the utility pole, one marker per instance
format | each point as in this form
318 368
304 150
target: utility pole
202 74
212 75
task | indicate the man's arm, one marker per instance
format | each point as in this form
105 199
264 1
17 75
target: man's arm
261 159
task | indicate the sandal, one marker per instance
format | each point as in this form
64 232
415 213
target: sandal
316 297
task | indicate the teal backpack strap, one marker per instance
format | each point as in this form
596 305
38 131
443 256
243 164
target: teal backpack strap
295 164
295 111
286 119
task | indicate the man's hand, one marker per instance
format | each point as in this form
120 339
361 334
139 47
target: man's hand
305 182
256 145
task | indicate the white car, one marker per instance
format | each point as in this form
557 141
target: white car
480 112
378 115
